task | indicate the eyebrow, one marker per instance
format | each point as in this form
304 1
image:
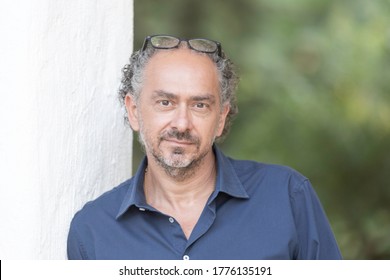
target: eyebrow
206 97
161 93
172 96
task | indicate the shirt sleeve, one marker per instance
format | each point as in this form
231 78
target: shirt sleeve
315 237
75 249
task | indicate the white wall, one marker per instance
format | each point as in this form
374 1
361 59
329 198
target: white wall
62 136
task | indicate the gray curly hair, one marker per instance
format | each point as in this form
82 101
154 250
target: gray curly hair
132 81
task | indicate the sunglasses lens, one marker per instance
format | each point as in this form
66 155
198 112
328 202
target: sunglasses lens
164 42
170 42
203 45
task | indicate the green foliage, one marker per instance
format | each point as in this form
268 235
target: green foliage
314 95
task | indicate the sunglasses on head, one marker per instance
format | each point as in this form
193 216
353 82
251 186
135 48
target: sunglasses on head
171 42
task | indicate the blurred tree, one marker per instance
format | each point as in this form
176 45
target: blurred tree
314 95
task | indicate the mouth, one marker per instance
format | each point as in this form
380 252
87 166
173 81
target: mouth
179 139
179 142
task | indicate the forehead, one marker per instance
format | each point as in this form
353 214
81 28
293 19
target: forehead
181 57
181 68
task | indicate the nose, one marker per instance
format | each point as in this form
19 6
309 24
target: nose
182 120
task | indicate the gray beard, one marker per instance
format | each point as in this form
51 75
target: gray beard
179 173
175 171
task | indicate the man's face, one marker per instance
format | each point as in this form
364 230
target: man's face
179 113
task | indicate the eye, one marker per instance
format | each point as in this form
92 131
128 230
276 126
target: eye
201 105
164 103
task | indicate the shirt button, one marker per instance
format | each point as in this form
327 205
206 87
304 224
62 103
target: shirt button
186 257
171 220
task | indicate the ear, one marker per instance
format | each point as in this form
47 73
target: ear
222 119
132 112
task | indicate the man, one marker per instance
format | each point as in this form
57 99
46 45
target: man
187 199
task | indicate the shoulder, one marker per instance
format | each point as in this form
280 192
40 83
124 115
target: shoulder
107 204
269 176
270 171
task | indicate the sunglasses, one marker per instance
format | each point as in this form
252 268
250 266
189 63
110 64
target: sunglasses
171 42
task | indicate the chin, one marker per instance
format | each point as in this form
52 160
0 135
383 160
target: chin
178 160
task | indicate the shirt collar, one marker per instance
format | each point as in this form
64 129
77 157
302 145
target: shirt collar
227 179
227 182
135 194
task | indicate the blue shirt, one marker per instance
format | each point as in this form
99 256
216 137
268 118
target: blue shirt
257 211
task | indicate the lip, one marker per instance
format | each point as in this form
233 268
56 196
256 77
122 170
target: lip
178 142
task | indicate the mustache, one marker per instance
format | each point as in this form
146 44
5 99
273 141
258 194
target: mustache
175 134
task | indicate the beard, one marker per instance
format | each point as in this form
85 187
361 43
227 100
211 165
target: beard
176 161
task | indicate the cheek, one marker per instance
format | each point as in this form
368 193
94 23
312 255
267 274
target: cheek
209 132
152 124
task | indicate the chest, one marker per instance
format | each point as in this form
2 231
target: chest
218 233
186 218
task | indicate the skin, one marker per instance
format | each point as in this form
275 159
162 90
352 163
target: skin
178 116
